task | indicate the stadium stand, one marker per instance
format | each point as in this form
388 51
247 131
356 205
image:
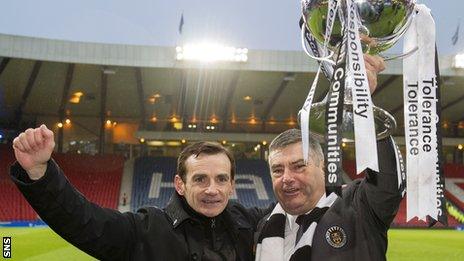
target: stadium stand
253 185
126 186
13 205
152 185
152 181
400 219
153 176
97 177
454 175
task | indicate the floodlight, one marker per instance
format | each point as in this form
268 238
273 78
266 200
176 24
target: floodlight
211 52
459 61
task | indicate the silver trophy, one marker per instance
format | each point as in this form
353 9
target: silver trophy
381 24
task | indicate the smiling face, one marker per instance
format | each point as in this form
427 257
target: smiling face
208 183
298 187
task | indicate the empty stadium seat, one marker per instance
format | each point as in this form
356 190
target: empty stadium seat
153 182
98 178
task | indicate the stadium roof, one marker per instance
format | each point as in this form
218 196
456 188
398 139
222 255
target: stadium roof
128 83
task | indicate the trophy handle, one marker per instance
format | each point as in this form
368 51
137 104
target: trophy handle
401 56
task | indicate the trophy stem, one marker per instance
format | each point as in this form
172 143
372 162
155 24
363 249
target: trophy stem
385 123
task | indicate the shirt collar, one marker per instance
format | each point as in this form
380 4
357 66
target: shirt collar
175 210
324 201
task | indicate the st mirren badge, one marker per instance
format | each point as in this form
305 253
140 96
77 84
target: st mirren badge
336 236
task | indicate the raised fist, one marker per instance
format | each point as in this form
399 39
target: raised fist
33 148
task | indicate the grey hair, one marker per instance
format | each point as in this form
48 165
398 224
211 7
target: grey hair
293 136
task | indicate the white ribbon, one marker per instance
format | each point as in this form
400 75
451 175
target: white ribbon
420 117
304 117
306 109
365 137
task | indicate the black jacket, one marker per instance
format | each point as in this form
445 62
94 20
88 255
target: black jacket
355 226
173 233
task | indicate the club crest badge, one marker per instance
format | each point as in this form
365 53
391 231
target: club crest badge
336 236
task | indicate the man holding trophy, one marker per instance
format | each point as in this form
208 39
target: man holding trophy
317 219
309 224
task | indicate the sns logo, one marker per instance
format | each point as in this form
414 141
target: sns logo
6 247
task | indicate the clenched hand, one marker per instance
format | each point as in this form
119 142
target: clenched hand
33 148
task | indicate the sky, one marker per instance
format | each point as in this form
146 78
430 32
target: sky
255 24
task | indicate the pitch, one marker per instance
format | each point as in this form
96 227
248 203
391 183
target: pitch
404 244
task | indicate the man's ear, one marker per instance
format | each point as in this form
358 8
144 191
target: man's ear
179 185
233 188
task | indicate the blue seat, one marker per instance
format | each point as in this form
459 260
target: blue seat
153 182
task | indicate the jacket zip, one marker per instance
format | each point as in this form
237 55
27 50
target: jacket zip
213 233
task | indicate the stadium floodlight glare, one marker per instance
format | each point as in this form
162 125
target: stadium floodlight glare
211 52
459 61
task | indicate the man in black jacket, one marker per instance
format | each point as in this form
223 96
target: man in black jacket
199 222
307 224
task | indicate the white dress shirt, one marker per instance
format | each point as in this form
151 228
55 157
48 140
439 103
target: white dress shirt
291 227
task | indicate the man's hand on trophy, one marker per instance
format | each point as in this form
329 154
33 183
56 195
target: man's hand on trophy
374 65
33 148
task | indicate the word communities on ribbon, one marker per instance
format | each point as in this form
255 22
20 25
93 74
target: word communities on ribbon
333 136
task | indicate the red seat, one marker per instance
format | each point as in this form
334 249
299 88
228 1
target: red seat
98 178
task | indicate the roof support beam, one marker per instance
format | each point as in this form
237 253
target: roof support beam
229 96
84 127
179 106
103 93
140 92
64 100
274 99
27 92
183 99
3 64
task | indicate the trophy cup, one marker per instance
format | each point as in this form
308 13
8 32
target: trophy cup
339 33
382 23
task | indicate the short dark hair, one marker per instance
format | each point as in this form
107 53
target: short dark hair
203 147
293 136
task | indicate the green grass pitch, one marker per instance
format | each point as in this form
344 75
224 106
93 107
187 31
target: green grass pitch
40 244
404 244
